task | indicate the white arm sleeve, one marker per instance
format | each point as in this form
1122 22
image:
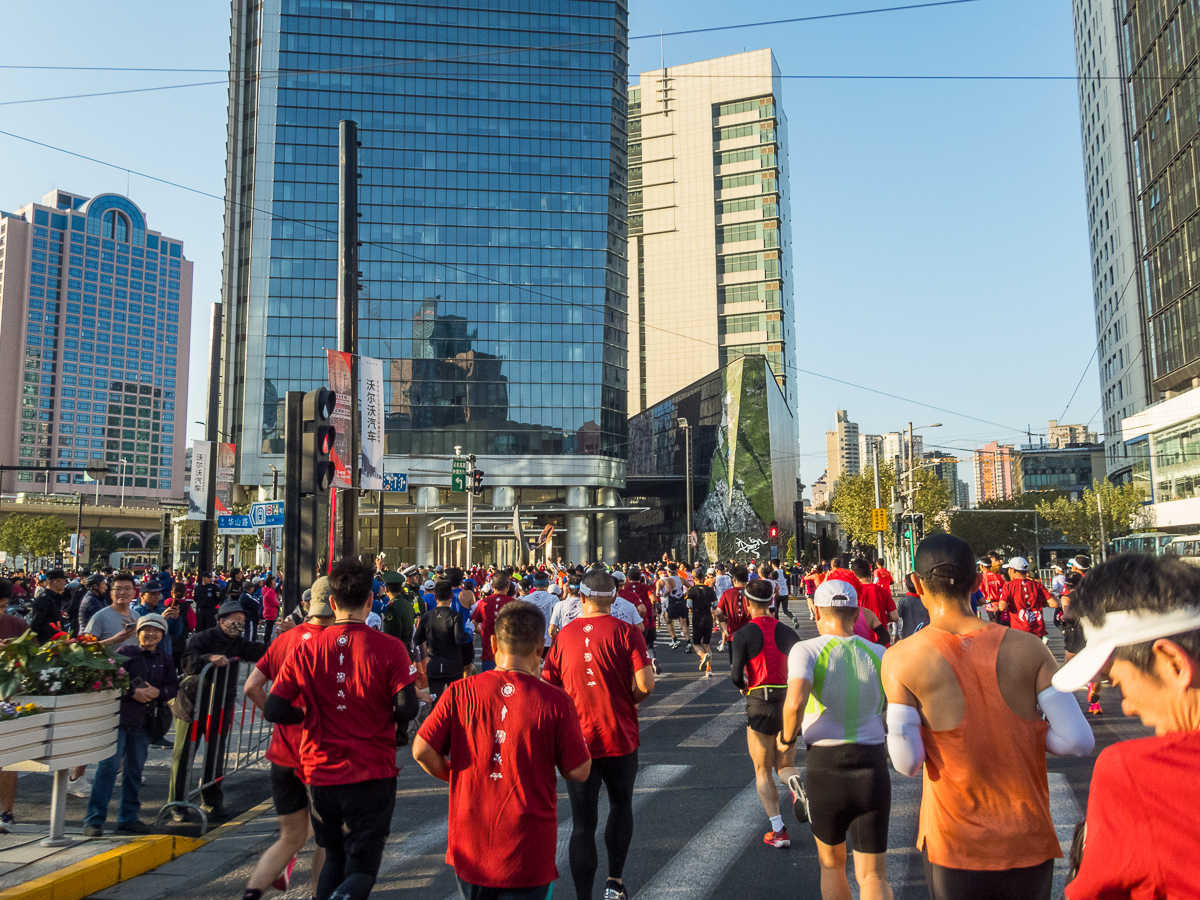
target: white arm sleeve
1069 734
905 746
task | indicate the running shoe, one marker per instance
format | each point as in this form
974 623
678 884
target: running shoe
708 672
1095 709
795 621
614 890
705 659
799 798
721 646
80 787
657 667
674 643
7 818
777 838
285 877
687 649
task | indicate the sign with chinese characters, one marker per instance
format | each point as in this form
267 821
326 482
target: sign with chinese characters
370 399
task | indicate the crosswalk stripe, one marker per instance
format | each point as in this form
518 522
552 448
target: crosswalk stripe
696 870
1065 811
714 732
405 846
675 700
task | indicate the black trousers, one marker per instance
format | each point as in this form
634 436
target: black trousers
205 619
352 823
1028 883
617 773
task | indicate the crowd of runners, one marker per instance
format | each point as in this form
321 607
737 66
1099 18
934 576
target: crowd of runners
504 680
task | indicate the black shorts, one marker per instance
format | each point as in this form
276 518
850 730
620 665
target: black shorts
849 791
1032 882
702 631
765 715
677 609
1074 639
287 790
651 635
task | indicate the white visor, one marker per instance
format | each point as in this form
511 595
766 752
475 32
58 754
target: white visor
1121 629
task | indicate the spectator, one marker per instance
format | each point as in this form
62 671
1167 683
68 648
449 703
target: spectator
154 682
151 602
10 627
270 608
1141 615
114 624
187 617
93 601
49 607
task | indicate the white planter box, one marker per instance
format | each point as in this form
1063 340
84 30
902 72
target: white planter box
82 730
23 739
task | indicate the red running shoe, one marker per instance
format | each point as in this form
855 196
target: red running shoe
777 838
281 883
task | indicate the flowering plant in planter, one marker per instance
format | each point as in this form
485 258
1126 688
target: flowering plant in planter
10 711
64 666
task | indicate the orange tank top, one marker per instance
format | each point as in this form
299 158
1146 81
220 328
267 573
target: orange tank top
986 802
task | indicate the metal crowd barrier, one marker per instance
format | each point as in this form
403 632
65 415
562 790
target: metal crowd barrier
212 740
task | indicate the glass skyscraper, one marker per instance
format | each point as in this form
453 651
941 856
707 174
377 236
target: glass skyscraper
493 229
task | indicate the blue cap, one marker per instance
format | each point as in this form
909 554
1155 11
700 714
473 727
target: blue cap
469 582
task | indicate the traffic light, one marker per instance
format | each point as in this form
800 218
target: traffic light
919 526
773 530
477 482
316 468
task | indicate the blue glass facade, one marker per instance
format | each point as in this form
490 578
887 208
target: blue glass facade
493 215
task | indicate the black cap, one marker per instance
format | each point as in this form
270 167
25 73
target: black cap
94 579
55 573
947 557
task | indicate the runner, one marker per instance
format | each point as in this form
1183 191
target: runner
274 868
441 631
701 600
485 616
498 739
963 694
760 661
991 585
1023 598
625 605
834 682
883 577
567 609
541 597
873 597
782 592
732 610
649 616
601 662
670 590
356 687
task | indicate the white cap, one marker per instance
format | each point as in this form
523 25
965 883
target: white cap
428 585
1020 563
556 590
751 566
1121 629
619 575
832 592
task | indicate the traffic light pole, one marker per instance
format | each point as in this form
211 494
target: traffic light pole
296 570
470 507
878 496
348 276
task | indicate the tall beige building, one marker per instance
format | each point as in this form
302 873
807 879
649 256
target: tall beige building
709 225
841 450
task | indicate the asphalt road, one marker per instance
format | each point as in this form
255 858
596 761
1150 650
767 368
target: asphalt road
698 821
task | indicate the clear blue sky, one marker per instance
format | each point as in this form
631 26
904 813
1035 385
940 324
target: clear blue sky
939 227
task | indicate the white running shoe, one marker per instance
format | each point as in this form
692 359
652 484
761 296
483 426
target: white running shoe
80 787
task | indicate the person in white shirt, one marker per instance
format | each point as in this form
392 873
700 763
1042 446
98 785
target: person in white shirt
541 597
722 581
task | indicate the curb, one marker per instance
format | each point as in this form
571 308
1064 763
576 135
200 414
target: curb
110 868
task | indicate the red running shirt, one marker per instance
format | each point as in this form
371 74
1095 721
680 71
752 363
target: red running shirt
345 679
285 740
485 616
733 605
884 579
505 734
1139 845
593 659
991 585
1025 601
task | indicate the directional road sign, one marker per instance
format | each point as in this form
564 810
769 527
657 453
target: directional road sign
235 525
397 482
879 519
458 476
267 515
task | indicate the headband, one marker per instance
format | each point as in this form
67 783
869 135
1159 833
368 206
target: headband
588 592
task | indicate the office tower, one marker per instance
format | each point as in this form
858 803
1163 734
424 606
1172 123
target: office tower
493 257
841 450
996 471
709 225
1110 127
95 316
945 467
1059 436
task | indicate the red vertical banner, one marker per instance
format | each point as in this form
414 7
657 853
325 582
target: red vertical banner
332 530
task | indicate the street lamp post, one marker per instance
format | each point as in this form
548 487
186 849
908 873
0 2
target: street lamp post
911 493
687 451
875 446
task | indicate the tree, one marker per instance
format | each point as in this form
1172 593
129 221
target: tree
1080 521
14 534
103 545
789 555
990 533
47 535
854 498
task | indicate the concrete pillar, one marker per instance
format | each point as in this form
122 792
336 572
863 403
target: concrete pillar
426 497
579 537
606 526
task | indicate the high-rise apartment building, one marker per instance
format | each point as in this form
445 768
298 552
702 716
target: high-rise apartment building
95 316
493 258
841 450
945 467
892 448
996 471
709 225
1059 436
1107 126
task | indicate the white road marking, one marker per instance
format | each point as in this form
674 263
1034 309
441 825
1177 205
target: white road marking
674 701
714 732
1065 811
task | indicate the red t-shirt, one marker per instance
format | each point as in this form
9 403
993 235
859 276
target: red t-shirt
505 734
991 585
629 592
1139 845
485 616
877 600
1025 601
733 605
345 679
594 659
884 579
285 741
646 597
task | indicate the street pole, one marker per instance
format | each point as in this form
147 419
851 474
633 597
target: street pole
687 442
78 529
1100 512
348 276
878 495
470 507
208 525
274 531
380 492
1037 543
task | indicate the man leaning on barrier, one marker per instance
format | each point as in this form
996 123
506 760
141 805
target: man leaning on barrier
215 646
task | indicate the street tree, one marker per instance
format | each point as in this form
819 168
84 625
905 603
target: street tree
47 535
1006 536
854 498
14 534
1079 521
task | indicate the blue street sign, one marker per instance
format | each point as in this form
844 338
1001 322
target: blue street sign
267 515
234 525
396 481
